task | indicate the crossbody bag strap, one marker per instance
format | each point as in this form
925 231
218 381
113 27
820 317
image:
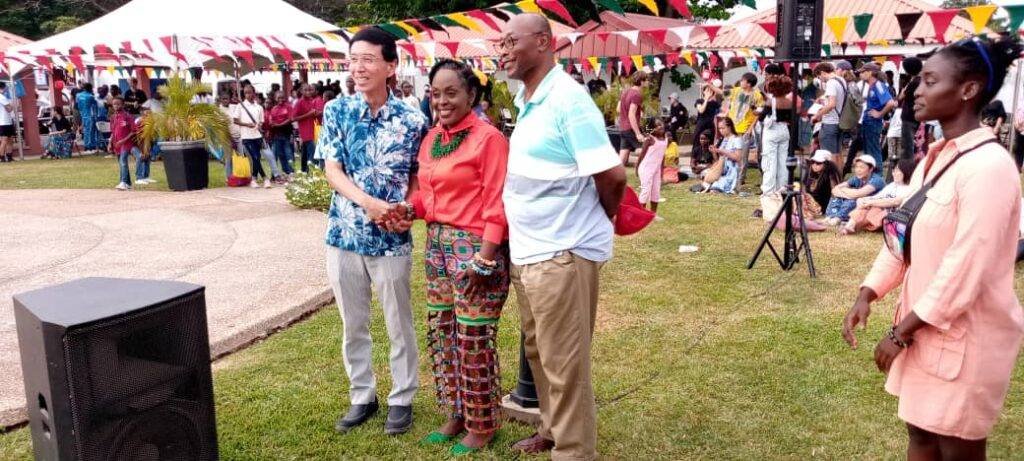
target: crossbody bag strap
941 172
248 113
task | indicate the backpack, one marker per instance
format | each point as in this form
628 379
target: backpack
851 112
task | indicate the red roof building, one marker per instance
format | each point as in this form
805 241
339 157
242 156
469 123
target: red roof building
8 40
599 39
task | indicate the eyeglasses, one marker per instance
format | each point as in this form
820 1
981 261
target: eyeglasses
509 42
364 59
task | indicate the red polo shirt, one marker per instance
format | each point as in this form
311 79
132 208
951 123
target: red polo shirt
463 190
122 125
306 126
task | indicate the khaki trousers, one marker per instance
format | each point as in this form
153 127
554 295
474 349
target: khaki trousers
557 305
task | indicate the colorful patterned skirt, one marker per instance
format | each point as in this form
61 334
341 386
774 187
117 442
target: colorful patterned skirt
462 332
60 144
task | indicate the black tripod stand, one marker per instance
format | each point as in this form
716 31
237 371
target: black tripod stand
795 238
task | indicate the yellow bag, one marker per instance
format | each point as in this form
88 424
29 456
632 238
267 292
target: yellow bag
672 155
240 166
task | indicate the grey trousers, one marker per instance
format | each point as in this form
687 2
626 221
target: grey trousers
352 277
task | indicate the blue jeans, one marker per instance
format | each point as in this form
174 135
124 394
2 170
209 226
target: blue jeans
308 148
141 166
252 149
122 162
90 135
871 131
281 147
840 208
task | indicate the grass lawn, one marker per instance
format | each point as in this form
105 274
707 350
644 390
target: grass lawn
695 357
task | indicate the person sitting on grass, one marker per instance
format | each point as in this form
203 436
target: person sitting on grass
704 141
864 183
723 175
648 169
871 211
822 178
62 136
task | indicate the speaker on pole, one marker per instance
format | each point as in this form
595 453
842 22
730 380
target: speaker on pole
117 369
798 30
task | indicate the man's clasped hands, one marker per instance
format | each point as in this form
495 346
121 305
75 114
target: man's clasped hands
392 217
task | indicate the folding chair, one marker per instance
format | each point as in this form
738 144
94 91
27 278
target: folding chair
104 131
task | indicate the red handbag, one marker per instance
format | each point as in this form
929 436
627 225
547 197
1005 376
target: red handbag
632 216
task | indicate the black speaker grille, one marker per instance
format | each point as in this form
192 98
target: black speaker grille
139 385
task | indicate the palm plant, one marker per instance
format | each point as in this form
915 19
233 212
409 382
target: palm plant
181 120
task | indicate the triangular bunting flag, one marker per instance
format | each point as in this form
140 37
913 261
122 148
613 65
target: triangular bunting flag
406 27
409 48
572 36
587 67
907 22
638 61
595 63
627 64
861 23
898 60
862 45
464 21
631 35
680 6
672 59
743 29
603 36
556 7
940 21
453 48
651 5
484 18
980 15
657 34
1016 13
879 60
528 6
712 32
612 5
844 45
827 48
771 27
838 26
683 32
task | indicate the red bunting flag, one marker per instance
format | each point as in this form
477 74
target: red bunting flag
771 27
325 54
672 60
246 56
896 59
657 34
75 56
603 36
409 48
941 20
45 62
627 64
862 45
586 65
556 7
126 47
149 47
712 32
484 18
211 54
167 41
453 48
680 6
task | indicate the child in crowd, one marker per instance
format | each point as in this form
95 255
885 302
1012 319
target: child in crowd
871 211
822 177
652 155
142 159
864 183
723 175
122 140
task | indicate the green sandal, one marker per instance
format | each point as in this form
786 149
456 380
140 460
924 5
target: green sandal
461 450
436 438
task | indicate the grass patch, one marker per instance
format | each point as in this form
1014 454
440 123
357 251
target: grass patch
695 358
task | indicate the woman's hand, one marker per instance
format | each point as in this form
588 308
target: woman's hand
474 283
858 315
885 352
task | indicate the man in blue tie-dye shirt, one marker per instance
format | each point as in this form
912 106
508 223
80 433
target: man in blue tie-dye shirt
370 141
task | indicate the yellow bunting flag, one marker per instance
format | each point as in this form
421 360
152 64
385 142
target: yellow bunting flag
410 29
838 26
110 69
980 15
353 29
880 60
690 58
595 63
464 21
651 5
150 72
638 61
528 6
331 36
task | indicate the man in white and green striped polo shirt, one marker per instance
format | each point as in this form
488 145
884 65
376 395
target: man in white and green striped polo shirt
563 188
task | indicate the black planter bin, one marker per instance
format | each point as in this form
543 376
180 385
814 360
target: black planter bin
186 165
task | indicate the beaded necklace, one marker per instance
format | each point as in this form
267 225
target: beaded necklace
439 150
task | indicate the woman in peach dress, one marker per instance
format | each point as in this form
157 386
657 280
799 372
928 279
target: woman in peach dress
958 325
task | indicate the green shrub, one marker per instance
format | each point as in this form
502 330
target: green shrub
310 191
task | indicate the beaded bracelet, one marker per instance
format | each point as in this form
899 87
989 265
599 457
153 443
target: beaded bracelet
896 341
481 269
410 212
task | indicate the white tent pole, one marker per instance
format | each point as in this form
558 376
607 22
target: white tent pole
16 115
1016 102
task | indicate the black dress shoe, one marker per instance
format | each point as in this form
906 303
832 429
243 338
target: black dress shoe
399 420
357 414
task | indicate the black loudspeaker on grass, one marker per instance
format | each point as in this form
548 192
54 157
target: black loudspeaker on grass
117 370
798 31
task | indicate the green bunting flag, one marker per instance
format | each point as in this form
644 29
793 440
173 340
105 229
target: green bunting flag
1016 13
512 8
612 5
827 48
862 22
750 3
392 29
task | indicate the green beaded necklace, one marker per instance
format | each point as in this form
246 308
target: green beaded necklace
439 151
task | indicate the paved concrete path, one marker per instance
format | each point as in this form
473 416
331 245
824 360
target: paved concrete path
260 259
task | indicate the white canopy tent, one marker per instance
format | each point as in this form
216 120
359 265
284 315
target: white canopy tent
191 33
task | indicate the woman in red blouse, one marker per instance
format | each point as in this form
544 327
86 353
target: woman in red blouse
461 175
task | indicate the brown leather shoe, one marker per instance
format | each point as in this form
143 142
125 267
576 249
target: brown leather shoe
534 445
